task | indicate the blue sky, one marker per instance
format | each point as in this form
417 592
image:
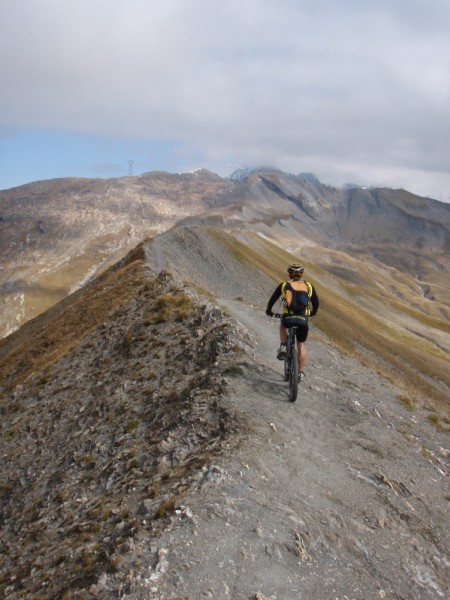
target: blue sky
353 91
49 154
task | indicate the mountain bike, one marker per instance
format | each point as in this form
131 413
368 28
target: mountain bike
291 361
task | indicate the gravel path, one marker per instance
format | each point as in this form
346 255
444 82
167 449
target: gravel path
341 495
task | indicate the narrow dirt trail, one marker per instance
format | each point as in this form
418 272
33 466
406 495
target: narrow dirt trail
341 495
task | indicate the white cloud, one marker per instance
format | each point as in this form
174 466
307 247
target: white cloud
363 85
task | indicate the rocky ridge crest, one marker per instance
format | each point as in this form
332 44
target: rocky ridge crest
102 439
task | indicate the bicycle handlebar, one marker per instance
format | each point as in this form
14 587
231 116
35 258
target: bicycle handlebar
279 315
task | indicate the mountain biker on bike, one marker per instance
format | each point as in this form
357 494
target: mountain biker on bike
295 314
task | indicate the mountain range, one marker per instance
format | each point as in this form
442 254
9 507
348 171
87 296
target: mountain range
375 253
56 235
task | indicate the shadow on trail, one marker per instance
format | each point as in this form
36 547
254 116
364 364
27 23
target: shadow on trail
271 385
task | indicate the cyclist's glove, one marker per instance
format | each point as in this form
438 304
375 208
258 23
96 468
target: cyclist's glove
269 313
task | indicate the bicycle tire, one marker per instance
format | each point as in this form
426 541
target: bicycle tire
293 374
286 369
287 360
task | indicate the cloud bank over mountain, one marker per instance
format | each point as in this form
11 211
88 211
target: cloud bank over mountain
350 91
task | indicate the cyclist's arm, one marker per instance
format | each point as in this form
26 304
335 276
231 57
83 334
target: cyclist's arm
314 302
274 298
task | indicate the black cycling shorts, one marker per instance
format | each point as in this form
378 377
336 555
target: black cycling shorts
301 323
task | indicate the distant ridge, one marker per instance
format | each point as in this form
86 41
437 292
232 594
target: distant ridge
243 172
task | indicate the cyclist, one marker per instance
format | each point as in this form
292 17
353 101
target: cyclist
295 313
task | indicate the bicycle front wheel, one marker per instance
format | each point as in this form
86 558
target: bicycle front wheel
293 374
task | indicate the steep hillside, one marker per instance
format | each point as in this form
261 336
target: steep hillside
149 450
111 411
56 235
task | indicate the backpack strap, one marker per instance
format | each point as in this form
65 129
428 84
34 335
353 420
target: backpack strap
310 292
286 285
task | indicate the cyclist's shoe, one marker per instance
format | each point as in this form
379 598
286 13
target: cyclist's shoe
282 352
301 377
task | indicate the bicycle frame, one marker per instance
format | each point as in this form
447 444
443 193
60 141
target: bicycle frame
291 361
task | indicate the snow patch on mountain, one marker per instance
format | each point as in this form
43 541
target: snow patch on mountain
243 172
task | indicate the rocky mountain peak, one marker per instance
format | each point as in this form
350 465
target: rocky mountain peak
243 172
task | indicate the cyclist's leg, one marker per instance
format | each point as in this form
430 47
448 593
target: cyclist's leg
281 354
301 356
302 335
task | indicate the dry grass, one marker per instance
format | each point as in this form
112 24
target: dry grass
262 255
441 423
170 307
388 351
59 329
407 402
428 320
357 325
132 412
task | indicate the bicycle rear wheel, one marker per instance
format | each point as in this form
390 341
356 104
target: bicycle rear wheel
293 373
286 368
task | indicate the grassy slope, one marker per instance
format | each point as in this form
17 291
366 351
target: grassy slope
358 312
61 327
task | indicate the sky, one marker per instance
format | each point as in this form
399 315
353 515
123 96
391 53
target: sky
354 91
